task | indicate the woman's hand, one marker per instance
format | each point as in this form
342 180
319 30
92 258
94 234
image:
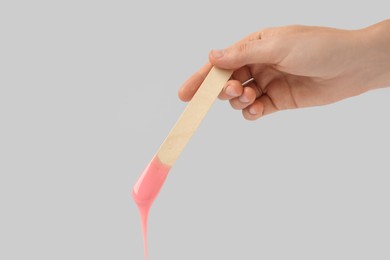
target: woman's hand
299 66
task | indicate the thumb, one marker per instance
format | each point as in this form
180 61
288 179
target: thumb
244 53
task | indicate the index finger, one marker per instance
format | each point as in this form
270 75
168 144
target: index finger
192 84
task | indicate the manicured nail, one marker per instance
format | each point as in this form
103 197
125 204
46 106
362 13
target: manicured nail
217 53
252 111
230 91
243 99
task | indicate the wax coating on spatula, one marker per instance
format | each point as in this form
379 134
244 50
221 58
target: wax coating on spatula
146 190
150 182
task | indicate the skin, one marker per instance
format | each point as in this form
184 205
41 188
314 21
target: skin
299 66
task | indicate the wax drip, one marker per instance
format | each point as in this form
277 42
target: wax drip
145 192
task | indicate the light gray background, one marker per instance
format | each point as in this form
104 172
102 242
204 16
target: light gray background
88 93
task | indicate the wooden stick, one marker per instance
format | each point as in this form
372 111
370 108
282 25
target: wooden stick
193 114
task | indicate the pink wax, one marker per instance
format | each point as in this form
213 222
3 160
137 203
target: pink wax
146 190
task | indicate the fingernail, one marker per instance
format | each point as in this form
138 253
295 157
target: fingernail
230 91
243 99
217 53
252 111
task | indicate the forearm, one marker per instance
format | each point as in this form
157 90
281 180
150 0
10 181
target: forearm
375 55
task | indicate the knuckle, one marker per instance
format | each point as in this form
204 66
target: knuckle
242 47
265 32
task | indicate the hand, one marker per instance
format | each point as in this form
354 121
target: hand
299 66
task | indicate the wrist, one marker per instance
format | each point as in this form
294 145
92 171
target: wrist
374 54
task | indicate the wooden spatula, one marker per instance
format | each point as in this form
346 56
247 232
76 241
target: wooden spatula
150 182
